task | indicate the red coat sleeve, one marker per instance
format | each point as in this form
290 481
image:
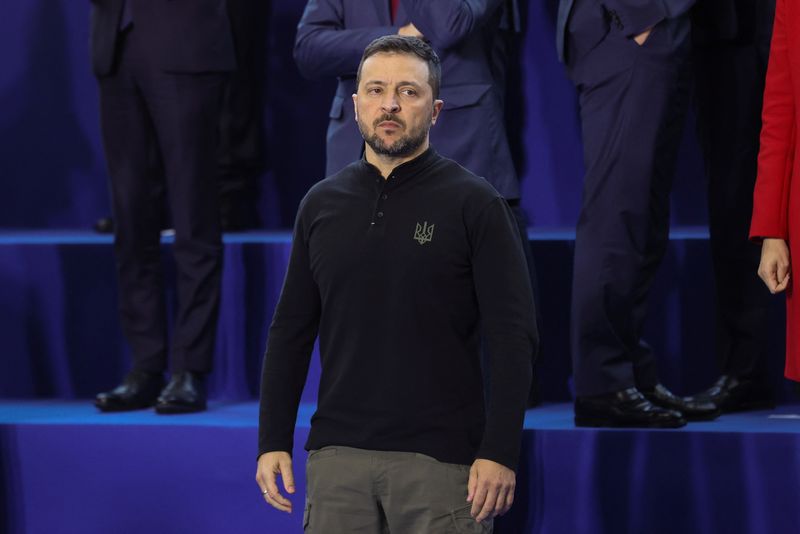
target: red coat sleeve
776 156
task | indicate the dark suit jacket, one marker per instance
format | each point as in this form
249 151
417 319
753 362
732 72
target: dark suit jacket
182 35
632 17
739 21
331 38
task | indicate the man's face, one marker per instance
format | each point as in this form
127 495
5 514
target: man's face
394 104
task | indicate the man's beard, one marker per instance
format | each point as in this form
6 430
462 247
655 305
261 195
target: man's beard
402 147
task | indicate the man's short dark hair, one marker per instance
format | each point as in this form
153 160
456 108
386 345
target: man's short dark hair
398 44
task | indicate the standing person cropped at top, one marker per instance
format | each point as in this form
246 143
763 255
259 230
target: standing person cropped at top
628 60
402 264
776 201
468 36
241 154
160 68
730 49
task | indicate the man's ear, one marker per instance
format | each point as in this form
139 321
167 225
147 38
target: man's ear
437 108
355 106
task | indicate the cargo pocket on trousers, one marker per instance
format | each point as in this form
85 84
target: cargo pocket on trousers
464 523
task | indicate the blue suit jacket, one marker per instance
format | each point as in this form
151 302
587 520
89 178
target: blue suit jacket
331 38
632 16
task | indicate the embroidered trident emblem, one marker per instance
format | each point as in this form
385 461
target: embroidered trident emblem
424 233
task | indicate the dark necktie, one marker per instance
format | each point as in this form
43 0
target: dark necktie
395 5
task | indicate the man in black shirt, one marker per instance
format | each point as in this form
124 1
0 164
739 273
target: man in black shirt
401 263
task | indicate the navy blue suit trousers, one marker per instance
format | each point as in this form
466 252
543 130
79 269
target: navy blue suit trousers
633 101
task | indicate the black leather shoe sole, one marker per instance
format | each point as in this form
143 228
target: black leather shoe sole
698 417
606 422
122 407
733 406
176 409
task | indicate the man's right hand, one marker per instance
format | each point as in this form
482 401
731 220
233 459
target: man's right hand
270 465
775 264
642 37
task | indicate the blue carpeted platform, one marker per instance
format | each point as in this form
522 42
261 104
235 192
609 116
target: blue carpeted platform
68 469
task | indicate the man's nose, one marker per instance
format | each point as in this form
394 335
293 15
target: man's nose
390 103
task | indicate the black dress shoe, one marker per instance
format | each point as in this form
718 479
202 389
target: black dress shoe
731 394
626 408
138 390
693 409
185 393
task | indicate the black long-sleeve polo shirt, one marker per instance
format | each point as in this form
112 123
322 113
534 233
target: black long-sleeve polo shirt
400 277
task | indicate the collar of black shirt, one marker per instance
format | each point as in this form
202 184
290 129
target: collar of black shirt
404 171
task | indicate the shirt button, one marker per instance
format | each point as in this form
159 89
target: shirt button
384 196
380 214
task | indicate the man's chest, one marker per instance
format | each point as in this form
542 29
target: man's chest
391 236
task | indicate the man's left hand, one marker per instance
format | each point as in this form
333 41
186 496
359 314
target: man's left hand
490 489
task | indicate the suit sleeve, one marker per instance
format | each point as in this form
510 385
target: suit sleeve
508 325
778 133
324 48
290 343
445 23
638 15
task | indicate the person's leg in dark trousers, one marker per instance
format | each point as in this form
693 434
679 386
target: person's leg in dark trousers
240 156
129 143
631 134
128 138
665 154
185 113
142 105
729 78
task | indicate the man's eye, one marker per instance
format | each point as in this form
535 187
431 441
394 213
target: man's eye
409 92
374 90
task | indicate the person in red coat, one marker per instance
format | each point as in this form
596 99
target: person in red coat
776 200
